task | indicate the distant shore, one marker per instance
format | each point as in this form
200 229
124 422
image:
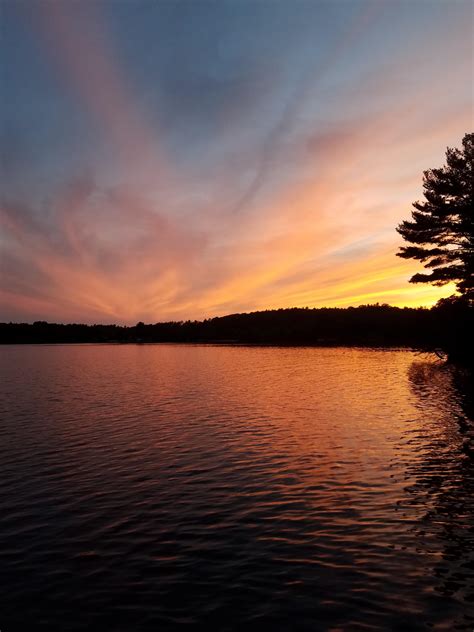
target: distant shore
445 329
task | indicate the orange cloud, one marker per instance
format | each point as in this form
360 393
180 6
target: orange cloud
322 236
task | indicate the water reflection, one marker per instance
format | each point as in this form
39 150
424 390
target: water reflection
168 487
444 475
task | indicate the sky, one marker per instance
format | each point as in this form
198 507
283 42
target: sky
173 160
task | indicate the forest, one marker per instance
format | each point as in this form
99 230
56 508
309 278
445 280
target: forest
444 329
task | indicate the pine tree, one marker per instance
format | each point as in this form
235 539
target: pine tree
442 225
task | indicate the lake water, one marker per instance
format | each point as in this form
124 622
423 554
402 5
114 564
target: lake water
162 487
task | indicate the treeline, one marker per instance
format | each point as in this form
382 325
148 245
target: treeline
445 327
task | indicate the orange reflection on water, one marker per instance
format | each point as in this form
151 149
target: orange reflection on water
321 475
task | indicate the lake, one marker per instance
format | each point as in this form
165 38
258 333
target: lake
163 487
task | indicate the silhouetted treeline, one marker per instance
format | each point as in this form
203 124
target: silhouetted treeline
445 327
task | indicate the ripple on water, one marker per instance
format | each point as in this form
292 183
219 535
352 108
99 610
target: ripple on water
167 487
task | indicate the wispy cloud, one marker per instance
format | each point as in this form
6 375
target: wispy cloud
324 155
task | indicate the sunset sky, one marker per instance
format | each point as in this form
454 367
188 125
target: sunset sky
174 160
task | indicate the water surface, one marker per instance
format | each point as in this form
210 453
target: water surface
161 487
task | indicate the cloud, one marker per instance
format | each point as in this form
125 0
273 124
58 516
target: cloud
110 251
327 163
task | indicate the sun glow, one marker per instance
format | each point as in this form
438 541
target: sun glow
305 216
